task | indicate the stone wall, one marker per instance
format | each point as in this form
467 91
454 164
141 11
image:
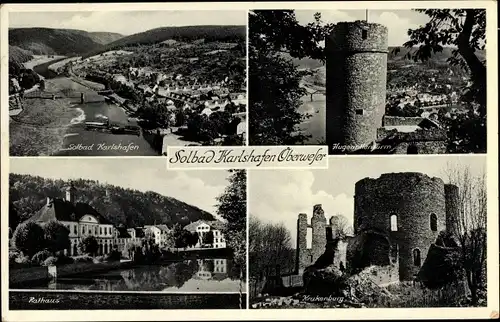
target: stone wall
303 253
398 120
412 198
356 77
318 224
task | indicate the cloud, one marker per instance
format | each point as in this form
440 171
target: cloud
279 196
397 26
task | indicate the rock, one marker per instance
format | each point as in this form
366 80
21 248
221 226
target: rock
326 281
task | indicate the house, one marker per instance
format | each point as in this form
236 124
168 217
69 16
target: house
136 234
80 218
122 238
160 234
201 227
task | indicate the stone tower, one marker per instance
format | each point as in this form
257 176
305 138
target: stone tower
318 224
452 210
302 251
356 77
70 193
409 208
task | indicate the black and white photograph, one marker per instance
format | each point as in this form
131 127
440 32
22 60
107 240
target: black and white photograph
100 234
369 81
125 83
366 234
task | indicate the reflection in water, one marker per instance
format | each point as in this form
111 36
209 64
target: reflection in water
201 275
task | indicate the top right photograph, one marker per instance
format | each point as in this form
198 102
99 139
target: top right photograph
369 81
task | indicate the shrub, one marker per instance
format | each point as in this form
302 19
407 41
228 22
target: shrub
40 257
50 261
23 260
64 260
113 256
89 245
98 259
83 259
13 254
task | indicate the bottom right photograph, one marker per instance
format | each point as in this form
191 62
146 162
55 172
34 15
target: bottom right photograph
369 232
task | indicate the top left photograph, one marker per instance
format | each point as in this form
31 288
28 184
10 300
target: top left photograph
126 83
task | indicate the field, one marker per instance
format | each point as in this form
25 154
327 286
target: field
39 129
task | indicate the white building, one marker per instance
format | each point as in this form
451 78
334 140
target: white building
80 218
201 227
160 233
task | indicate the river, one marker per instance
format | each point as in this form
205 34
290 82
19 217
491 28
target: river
81 142
189 276
315 126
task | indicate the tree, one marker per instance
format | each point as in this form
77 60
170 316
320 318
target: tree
274 81
469 228
342 227
88 245
232 203
29 238
56 236
232 206
208 238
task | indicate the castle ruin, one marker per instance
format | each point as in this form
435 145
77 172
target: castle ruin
397 217
356 87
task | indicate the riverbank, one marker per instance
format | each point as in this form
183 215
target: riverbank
40 128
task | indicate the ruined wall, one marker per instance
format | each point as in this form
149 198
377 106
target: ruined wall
412 197
356 77
303 254
318 224
452 210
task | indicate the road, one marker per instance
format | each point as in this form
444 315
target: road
81 142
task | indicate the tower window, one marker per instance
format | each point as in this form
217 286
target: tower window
364 34
360 111
394 223
417 261
311 258
433 222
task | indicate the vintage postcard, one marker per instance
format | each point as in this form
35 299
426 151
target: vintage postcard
249 161
82 235
369 81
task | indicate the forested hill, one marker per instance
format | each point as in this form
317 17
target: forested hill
131 207
185 34
48 41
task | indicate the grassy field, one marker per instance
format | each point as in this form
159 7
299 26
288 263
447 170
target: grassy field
39 129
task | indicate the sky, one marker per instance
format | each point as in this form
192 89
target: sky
195 187
125 22
397 21
280 195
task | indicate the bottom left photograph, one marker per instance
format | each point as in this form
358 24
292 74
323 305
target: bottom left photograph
125 234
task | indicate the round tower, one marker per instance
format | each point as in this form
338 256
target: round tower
408 207
356 77
318 224
302 252
452 211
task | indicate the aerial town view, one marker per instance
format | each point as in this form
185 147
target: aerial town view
97 240
369 81
87 92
